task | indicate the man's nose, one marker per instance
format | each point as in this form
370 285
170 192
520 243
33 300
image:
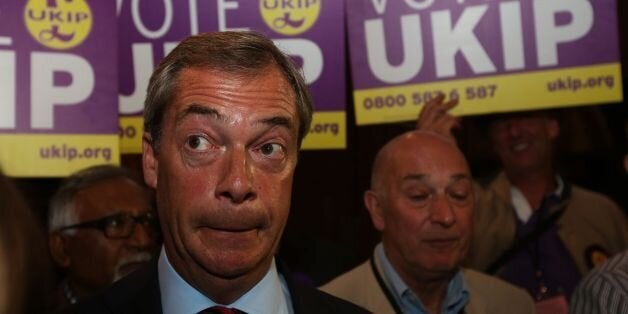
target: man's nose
442 212
513 127
143 236
236 181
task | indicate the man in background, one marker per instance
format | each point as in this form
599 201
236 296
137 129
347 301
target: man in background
101 228
421 200
533 228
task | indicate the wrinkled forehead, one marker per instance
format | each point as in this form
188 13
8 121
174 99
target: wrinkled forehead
436 182
431 158
217 82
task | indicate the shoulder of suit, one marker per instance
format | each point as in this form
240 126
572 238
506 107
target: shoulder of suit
135 293
350 280
312 300
481 285
586 196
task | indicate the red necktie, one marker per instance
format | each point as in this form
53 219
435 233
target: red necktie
220 310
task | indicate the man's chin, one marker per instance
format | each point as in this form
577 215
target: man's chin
231 267
443 265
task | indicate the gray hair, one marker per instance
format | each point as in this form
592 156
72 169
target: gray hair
62 212
238 53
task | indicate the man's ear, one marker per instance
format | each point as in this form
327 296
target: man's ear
374 207
149 161
58 249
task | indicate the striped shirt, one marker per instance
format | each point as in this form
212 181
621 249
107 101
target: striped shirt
604 289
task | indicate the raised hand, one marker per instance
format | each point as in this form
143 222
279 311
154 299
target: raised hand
435 116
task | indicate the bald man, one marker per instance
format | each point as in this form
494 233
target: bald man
421 200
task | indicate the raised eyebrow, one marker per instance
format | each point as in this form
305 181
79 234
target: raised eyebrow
198 109
278 121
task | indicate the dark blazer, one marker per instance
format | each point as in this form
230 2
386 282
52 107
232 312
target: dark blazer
139 293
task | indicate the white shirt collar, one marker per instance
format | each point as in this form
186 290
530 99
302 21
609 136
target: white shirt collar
521 205
269 295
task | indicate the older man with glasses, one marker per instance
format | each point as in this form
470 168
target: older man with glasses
101 228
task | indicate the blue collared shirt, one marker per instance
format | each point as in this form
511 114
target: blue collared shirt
455 300
270 295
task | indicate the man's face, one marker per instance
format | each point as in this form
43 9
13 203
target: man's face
96 261
223 171
424 207
524 142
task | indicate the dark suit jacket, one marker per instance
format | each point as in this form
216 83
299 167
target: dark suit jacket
139 293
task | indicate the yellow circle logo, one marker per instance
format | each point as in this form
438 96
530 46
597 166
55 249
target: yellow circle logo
58 24
290 17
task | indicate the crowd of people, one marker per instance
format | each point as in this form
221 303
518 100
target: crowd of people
224 119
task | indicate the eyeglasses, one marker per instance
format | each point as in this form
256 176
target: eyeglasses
118 226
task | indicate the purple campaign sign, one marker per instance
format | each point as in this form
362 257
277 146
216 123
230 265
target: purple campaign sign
418 41
59 70
311 29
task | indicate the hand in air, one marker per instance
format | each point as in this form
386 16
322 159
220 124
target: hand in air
435 116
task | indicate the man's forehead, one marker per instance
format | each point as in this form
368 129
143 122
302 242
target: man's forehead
429 160
212 92
101 192
245 78
435 177
278 118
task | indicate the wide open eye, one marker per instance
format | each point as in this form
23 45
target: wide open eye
197 143
272 150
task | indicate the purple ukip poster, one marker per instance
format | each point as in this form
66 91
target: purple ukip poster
311 31
58 86
494 56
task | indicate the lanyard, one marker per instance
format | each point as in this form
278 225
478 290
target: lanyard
391 299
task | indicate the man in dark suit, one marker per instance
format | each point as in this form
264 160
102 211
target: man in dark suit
224 118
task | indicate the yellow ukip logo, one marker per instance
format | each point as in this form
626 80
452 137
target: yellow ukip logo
58 24
290 17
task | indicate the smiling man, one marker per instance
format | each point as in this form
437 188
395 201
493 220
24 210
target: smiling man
421 200
551 232
224 119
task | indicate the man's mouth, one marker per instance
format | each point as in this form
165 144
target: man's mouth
519 147
232 229
441 243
